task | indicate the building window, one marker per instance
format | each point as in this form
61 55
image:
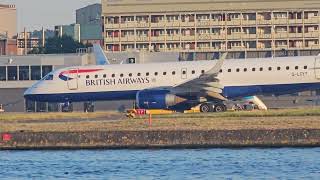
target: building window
24 73
35 72
46 70
12 73
3 73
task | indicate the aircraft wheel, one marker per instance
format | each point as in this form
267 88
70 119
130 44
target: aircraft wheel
220 108
206 107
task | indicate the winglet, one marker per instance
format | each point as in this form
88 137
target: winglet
101 58
217 66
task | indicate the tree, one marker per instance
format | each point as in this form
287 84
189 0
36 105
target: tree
61 45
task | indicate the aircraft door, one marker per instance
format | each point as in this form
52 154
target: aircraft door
317 67
73 79
184 73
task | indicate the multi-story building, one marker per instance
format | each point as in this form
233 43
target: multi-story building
72 30
8 20
89 19
250 28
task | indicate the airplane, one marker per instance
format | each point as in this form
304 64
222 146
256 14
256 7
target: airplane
179 85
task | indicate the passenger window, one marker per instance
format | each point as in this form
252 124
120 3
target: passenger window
104 76
96 76
164 73
245 69
261 69
305 67
202 71
147 74
184 72
173 72
130 74
237 69
87 76
253 69
121 75
193 71
229 70
278 68
113 75
287 68
297 67
139 74
156 73
270 68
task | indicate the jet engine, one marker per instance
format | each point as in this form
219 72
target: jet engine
157 99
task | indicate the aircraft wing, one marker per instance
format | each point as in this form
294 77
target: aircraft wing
101 58
207 84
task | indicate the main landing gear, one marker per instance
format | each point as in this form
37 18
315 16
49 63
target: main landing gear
212 107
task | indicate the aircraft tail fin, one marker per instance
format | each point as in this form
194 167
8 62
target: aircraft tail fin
101 58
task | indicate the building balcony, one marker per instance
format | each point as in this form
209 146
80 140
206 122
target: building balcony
173 49
127 38
280 35
313 46
280 21
187 38
235 22
203 36
128 25
142 38
160 24
249 36
249 22
295 21
313 20
203 23
112 39
173 38
234 36
264 36
295 35
204 49
280 47
158 38
311 35
218 36
187 24
264 22
111 26
217 23
142 24
236 48
173 23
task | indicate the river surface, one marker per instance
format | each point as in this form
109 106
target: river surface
282 163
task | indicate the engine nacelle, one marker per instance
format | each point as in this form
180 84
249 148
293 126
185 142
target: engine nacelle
157 99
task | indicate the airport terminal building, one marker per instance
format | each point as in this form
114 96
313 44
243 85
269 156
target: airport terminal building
250 28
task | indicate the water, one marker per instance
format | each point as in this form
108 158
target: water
283 163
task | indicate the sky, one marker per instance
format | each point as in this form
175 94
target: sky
33 14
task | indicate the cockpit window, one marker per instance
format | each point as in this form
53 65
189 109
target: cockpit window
48 77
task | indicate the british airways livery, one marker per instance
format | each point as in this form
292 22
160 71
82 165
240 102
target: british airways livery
179 85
